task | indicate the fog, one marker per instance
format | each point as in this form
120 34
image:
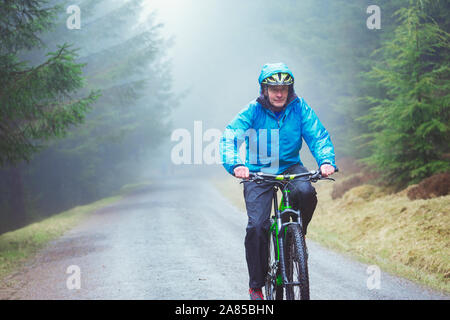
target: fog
158 67
219 49
218 52
112 113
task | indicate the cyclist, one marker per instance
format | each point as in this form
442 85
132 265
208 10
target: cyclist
277 121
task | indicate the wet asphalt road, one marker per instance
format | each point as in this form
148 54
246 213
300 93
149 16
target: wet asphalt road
180 240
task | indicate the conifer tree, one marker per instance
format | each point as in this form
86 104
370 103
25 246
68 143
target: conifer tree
36 102
124 57
410 126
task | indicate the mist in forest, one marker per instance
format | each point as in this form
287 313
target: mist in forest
158 67
95 93
218 52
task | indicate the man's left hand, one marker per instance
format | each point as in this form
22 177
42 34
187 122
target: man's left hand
326 170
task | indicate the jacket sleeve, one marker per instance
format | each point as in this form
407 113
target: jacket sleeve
316 136
233 137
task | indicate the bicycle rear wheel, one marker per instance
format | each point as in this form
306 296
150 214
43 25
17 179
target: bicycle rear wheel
296 264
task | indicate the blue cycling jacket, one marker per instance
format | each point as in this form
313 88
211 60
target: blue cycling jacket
273 144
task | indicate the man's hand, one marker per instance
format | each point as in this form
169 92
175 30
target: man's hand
241 172
326 170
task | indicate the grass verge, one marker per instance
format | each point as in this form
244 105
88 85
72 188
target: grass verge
19 245
403 237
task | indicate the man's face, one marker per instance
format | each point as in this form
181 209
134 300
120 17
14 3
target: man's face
278 95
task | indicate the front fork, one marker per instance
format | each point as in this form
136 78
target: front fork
279 226
280 239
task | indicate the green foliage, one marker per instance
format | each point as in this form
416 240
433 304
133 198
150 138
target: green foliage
383 94
37 103
115 55
129 121
332 45
21 21
409 127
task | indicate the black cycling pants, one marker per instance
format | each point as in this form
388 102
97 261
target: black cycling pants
258 201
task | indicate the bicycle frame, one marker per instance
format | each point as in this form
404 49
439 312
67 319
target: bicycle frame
284 216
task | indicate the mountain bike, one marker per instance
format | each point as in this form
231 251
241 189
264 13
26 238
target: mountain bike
287 265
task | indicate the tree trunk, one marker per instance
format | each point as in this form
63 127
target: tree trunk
17 204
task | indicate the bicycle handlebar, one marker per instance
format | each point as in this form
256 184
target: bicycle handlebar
313 176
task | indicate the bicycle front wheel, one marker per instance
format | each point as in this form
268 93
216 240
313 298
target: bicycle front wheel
273 285
297 287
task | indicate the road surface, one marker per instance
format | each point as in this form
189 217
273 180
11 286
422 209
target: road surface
178 240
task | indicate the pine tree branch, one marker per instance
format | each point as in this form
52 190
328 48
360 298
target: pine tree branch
33 70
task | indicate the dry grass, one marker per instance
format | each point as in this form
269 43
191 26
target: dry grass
435 186
408 238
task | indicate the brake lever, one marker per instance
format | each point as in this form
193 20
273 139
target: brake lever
255 179
316 177
320 177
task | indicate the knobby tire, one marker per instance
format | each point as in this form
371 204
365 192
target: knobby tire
296 264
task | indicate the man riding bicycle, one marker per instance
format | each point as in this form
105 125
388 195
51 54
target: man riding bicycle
273 126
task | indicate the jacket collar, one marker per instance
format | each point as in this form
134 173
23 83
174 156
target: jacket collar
265 103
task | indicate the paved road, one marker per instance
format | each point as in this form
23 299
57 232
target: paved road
181 240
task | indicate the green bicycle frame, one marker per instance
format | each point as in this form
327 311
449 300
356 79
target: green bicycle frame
282 206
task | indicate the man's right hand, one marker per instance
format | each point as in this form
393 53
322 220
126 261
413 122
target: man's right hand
241 172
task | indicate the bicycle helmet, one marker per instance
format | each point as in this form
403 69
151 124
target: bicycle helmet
278 79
